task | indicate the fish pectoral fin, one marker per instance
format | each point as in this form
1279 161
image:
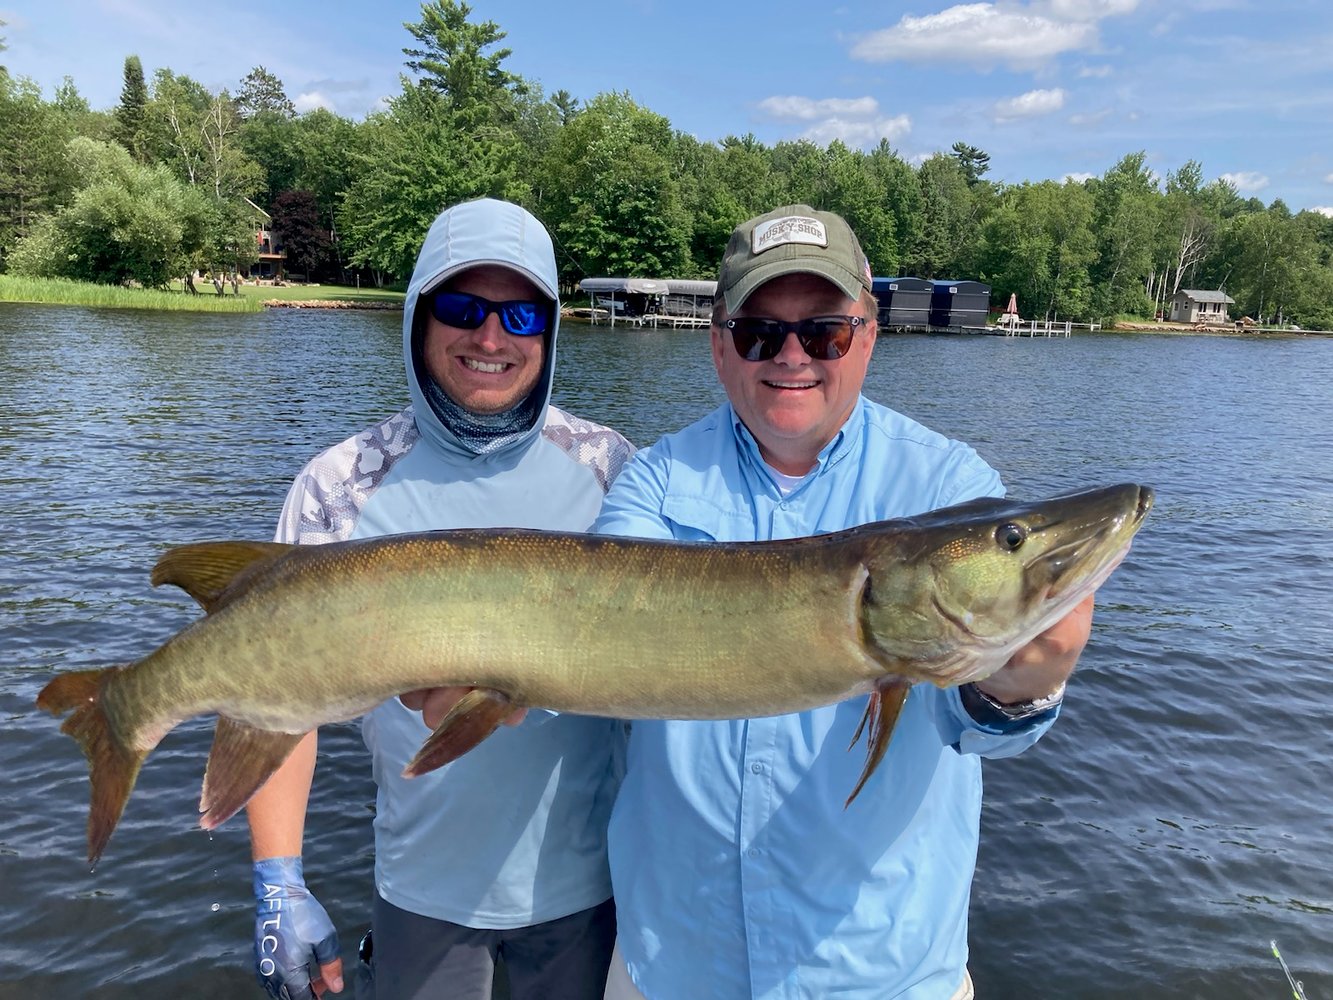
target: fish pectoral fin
205 570
886 702
242 759
477 715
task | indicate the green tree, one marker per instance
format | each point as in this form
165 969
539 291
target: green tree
974 161
949 221
1038 244
1126 200
131 113
851 189
566 104
34 176
410 163
125 223
262 93
198 133
622 210
174 124
453 61
896 183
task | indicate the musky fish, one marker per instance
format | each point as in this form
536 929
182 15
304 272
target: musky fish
298 636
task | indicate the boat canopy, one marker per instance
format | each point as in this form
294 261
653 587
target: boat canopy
631 286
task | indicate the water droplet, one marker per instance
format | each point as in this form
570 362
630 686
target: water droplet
215 907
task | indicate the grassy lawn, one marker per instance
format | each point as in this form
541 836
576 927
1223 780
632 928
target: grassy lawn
306 293
251 299
60 291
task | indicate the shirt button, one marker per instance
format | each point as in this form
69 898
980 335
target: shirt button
754 852
783 505
757 768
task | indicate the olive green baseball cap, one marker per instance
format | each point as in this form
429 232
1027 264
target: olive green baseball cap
794 239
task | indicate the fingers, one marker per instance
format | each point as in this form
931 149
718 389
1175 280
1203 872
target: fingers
330 965
330 977
414 699
1046 662
435 703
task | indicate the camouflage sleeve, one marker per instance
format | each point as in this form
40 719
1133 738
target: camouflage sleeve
328 496
601 449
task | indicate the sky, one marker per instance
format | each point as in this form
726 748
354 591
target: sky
1050 89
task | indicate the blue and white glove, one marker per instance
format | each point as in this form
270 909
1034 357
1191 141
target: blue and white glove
293 934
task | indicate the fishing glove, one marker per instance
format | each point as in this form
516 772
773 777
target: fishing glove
293 934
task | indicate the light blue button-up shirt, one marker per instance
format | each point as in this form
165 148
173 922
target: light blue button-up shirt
737 871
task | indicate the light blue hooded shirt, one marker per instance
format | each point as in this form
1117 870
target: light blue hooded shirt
514 832
738 872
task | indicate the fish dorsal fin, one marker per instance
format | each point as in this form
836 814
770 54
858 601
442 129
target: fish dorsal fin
242 759
205 570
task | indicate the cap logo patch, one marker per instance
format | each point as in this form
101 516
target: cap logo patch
789 229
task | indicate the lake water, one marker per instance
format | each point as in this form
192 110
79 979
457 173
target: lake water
1175 820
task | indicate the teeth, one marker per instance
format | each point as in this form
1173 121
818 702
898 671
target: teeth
792 385
483 366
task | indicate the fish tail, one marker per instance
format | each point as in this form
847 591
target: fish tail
112 766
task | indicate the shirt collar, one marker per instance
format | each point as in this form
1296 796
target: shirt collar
830 455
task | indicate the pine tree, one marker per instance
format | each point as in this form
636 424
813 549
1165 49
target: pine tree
129 114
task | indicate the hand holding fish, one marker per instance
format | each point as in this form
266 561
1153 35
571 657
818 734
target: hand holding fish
435 703
1042 666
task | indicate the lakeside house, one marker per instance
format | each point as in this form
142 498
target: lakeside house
1193 305
272 254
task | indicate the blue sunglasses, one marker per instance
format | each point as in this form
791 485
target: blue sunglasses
467 312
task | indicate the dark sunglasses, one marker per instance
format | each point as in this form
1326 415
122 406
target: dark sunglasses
824 338
467 312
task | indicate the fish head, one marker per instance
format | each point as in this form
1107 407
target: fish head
952 595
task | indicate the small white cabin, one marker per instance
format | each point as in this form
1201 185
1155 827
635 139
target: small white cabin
1192 305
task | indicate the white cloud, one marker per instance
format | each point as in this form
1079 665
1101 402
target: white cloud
859 133
1033 104
1087 118
1326 210
1086 10
1094 72
856 121
809 109
1328 178
983 34
311 100
1079 177
1246 180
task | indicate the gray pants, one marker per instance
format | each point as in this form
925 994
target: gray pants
420 958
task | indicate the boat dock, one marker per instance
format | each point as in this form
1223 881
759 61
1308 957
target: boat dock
648 302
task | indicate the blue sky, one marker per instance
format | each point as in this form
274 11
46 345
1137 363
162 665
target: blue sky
1049 88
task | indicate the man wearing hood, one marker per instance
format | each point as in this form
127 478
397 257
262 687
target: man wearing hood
502 852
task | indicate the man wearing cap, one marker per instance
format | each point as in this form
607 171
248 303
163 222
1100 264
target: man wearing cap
503 852
737 870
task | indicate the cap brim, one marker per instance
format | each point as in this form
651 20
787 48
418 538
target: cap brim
845 281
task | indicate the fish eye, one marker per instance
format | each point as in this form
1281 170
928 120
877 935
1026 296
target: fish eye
1011 536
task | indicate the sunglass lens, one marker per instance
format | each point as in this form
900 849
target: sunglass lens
826 338
523 319
757 339
458 309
